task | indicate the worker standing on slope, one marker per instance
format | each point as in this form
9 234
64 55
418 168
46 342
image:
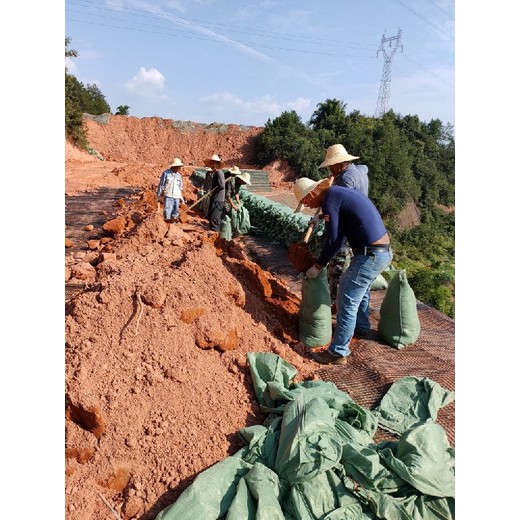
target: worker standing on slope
217 198
348 214
343 172
170 185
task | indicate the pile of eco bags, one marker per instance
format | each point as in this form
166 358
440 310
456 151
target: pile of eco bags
315 458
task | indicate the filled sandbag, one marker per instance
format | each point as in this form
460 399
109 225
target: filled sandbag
315 315
399 323
225 228
379 283
240 222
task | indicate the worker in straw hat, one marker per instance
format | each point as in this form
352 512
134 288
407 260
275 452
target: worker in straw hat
218 185
349 214
233 184
343 172
170 185
235 180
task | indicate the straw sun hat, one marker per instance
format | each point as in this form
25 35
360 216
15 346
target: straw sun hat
176 162
235 170
245 177
302 187
214 157
336 154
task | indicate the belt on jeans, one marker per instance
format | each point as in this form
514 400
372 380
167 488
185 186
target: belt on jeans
371 249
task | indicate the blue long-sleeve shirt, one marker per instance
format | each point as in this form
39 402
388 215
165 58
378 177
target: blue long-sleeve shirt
355 176
348 214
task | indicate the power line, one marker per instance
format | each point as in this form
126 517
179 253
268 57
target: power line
216 39
429 22
229 27
440 8
447 83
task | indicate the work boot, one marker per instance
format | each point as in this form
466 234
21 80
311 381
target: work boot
326 358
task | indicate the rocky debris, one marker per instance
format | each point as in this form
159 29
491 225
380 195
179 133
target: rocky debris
147 378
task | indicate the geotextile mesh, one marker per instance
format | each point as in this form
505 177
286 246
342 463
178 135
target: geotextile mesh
375 365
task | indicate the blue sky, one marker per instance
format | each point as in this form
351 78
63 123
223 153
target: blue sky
244 61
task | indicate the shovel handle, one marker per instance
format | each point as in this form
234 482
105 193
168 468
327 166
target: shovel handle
310 228
206 195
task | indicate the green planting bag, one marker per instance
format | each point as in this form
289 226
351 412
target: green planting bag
315 316
240 222
399 320
225 228
379 283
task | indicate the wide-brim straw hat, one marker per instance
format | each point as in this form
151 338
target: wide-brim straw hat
176 162
302 187
336 154
235 170
245 176
214 158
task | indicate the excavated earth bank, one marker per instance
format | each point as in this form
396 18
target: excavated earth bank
156 381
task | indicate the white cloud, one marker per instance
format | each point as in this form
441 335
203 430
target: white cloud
299 105
263 105
146 83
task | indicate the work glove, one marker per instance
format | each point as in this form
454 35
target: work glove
312 272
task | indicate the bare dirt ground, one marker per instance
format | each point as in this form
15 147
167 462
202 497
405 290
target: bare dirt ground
156 380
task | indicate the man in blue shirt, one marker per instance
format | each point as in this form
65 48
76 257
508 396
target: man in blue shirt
343 172
349 214
170 185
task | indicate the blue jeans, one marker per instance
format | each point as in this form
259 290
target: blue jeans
353 297
171 207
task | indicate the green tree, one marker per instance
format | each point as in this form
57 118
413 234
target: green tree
122 110
330 115
69 53
78 100
392 183
74 129
287 137
93 101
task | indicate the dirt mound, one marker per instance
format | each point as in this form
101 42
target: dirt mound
128 151
156 140
157 384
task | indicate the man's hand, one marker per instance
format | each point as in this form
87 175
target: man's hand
312 272
158 206
314 220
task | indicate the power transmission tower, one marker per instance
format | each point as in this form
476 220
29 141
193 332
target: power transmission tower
384 88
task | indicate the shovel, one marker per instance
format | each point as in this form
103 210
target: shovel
299 254
183 218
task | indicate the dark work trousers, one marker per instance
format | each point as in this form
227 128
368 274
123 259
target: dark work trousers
215 214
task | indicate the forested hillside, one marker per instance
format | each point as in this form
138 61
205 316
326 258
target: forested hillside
408 160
